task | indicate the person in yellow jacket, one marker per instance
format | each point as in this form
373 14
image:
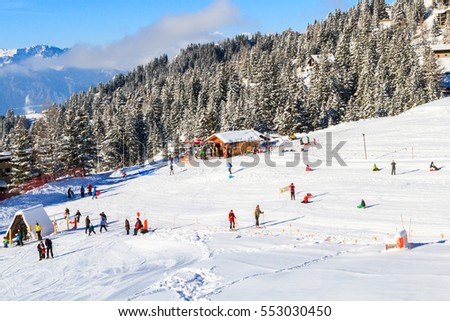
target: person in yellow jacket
257 213
38 231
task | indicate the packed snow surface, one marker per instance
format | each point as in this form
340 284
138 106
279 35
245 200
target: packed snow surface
325 250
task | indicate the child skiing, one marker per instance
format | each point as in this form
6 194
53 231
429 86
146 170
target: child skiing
362 204
229 166
433 167
232 218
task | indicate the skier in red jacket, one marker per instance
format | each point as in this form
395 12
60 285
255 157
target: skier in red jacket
292 189
231 218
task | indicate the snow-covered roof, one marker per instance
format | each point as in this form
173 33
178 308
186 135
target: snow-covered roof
33 215
440 47
444 63
237 136
5 155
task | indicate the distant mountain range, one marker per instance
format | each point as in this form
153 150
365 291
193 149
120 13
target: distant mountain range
30 91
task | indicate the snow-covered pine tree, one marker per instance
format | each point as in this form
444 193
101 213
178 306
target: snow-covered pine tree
22 159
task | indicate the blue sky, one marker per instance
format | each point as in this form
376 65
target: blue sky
133 31
64 23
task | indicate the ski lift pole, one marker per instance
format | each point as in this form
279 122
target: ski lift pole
365 149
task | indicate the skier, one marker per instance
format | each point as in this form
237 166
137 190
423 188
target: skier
232 218
308 168
94 192
41 250
171 170
49 246
77 216
257 213
229 166
137 226
103 222
127 226
393 163
82 191
433 167
5 241
38 231
292 189
69 192
375 168
89 188
91 229
305 199
88 223
362 204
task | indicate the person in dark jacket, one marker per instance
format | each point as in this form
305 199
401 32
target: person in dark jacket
49 246
127 226
77 216
88 223
433 167
41 250
229 166
393 168
82 191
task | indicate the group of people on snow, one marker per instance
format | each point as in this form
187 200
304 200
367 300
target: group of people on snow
92 191
45 248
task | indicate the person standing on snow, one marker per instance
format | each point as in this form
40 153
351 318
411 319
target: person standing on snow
82 191
292 189
229 166
137 226
127 226
89 188
91 229
41 250
49 246
232 219
88 223
38 231
94 192
77 216
257 213
103 222
393 172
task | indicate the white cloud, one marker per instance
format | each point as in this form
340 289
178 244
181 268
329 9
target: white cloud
166 36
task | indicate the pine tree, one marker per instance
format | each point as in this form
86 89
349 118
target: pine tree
22 160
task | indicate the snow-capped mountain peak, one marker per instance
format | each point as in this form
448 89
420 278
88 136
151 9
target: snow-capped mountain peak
10 56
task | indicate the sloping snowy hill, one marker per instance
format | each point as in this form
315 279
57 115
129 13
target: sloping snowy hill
325 250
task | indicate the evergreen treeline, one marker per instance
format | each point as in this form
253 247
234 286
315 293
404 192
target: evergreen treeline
258 81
